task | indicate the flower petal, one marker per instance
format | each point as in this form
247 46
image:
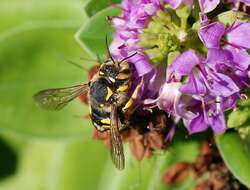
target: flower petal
220 60
222 85
217 56
247 2
229 102
174 3
217 122
239 35
211 34
157 79
169 96
185 62
182 107
208 5
141 64
197 124
240 57
195 84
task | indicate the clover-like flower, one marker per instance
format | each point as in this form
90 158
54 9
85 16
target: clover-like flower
198 87
201 100
129 25
184 72
232 40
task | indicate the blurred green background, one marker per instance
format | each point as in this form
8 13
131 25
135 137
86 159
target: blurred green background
42 150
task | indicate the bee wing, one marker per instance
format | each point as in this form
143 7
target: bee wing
57 98
117 154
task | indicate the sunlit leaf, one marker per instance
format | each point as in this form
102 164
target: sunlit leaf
236 153
239 118
94 6
229 17
92 35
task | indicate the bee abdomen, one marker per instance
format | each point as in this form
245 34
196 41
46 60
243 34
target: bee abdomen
100 119
99 91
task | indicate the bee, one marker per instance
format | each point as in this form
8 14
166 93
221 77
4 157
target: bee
108 95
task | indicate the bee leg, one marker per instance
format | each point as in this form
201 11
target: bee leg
124 126
131 106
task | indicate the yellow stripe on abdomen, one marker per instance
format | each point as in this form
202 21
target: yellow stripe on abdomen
105 121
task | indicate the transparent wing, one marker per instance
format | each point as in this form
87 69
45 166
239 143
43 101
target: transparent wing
117 154
57 98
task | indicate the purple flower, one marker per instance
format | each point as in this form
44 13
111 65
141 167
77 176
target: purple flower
208 5
236 3
205 115
197 87
237 35
230 45
175 4
202 79
168 98
128 27
203 96
150 86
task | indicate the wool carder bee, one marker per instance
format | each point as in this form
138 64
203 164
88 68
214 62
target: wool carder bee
109 98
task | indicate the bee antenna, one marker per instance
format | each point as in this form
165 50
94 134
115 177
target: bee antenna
106 39
78 65
128 57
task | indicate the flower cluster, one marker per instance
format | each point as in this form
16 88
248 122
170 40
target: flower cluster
129 25
200 83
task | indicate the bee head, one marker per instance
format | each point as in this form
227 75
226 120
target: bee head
109 70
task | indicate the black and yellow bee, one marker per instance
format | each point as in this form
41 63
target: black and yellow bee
109 98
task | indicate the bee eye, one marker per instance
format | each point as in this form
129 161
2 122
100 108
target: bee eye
110 70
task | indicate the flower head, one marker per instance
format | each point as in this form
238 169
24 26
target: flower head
128 26
230 46
201 97
183 71
199 87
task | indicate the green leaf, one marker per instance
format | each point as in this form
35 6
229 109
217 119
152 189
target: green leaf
244 103
57 165
229 17
33 56
94 6
92 35
239 118
235 153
